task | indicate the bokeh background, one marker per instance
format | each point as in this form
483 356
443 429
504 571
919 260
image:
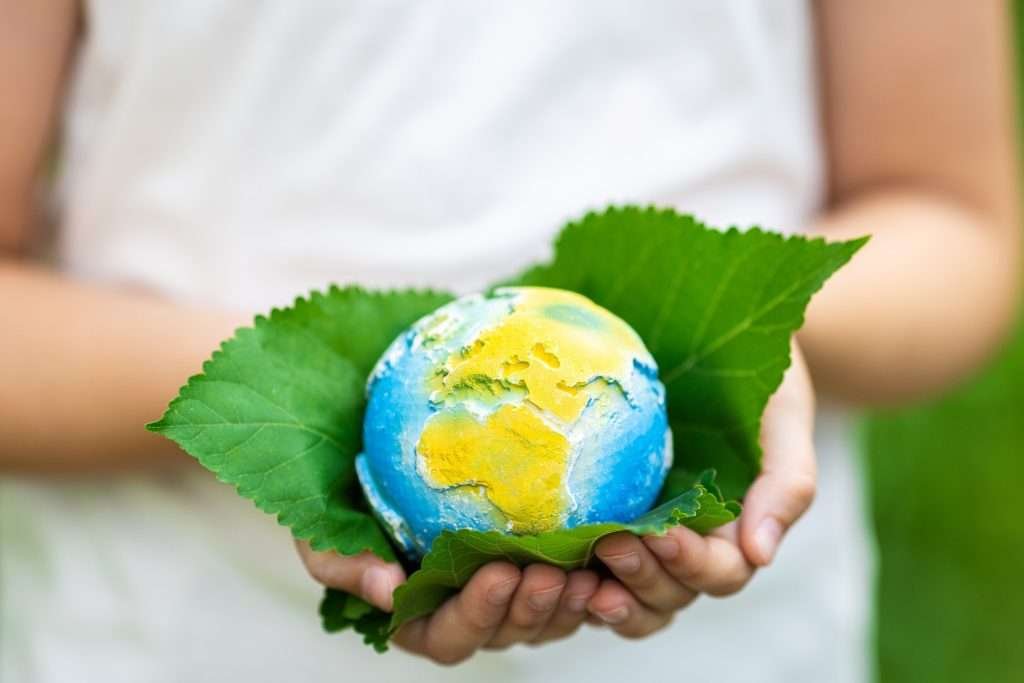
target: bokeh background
947 487
946 482
948 506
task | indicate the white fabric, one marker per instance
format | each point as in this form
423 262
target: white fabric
235 154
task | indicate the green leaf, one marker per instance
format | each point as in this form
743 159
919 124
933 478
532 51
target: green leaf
456 555
716 309
340 610
278 410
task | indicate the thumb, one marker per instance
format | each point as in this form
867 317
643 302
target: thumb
786 486
364 575
775 501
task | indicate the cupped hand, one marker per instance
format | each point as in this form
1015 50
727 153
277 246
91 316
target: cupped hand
500 606
653 577
656 576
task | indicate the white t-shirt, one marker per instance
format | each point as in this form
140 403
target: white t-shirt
235 154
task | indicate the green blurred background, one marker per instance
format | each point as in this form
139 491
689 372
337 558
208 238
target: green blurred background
946 482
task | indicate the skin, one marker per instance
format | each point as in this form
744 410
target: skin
655 576
918 128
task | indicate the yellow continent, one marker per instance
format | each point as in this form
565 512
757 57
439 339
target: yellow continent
550 346
518 461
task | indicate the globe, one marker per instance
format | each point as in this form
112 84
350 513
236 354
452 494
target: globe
524 410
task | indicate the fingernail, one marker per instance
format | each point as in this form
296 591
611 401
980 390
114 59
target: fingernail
377 587
499 595
614 616
544 601
665 547
767 537
577 603
623 564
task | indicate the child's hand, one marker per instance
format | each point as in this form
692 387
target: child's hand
659 575
655 576
500 606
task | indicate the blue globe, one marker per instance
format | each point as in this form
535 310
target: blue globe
524 411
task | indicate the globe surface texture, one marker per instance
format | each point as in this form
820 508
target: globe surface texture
525 410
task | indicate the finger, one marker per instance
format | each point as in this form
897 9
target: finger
532 606
712 564
365 574
617 608
638 570
465 622
572 609
786 486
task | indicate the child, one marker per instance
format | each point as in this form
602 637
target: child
218 157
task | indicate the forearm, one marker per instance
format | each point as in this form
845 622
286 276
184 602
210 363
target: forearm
84 367
922 304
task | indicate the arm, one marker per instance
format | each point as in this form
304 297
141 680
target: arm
82 367
920 128
86 367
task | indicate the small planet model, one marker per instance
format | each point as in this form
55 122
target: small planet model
524 411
